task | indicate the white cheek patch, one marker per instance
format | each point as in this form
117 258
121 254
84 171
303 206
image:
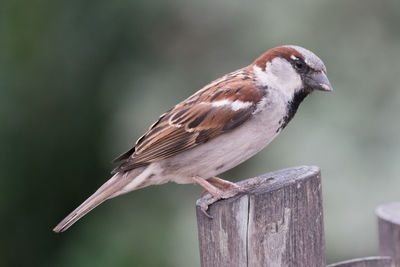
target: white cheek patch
235 105
279 74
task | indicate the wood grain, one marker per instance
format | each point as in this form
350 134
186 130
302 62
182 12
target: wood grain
279 222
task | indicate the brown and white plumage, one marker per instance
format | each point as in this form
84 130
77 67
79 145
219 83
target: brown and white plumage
217 128
207 114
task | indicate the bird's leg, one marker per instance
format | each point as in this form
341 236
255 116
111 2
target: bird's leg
226 190
214 191
223 183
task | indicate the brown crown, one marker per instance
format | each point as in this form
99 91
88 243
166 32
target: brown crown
280 51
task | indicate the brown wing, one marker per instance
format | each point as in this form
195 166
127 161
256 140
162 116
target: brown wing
207 114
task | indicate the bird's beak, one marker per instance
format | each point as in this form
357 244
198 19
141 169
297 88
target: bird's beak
318 81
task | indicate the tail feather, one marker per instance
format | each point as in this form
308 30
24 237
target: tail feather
106 191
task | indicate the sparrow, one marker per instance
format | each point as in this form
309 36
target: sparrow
220 126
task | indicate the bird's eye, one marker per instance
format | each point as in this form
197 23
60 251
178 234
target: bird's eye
300 64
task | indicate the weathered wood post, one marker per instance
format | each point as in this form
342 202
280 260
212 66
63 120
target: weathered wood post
277 223
389 231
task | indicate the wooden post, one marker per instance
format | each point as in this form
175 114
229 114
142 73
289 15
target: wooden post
389 231
378 261
277 223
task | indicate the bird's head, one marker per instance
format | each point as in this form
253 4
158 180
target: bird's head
291 69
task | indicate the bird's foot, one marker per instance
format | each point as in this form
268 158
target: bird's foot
204 202
225 190
209 199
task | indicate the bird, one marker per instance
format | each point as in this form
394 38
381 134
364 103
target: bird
220 126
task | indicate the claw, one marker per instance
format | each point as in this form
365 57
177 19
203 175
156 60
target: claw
204 203
207 214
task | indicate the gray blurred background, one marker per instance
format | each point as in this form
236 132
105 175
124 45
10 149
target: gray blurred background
80 81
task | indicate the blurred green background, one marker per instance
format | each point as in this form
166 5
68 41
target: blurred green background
80 81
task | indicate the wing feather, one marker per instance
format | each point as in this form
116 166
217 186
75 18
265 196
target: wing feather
203 116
